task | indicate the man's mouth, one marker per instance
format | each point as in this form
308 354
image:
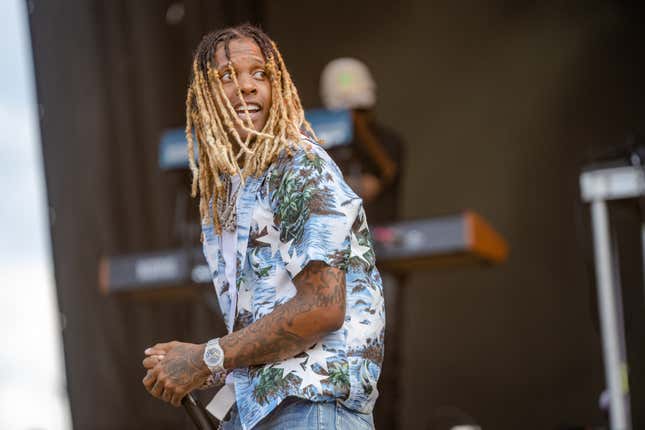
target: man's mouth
253 110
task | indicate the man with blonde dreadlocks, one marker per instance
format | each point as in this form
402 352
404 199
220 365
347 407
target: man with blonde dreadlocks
289 249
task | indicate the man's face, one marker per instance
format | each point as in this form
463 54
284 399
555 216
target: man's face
255 86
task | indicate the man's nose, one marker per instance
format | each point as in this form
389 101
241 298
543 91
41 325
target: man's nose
247 85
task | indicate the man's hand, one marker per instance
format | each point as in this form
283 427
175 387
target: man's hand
367 186
370 187
174 370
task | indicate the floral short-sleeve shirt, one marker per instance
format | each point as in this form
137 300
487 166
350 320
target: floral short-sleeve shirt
301 210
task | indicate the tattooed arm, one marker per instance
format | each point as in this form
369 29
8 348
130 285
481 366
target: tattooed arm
317 309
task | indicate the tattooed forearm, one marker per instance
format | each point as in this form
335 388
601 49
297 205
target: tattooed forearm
317 309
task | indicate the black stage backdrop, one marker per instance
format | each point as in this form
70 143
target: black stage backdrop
110 76
513 95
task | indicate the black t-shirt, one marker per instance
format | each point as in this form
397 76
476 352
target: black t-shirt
354 159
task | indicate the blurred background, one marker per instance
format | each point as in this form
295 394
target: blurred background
500 105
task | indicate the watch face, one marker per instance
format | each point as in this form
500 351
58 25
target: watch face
213 356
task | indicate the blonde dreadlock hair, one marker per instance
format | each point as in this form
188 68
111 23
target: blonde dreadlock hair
212 118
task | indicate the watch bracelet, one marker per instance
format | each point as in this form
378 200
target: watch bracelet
216 379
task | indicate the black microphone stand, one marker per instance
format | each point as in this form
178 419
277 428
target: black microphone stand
198 414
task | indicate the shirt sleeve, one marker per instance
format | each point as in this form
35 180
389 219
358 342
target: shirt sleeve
314 210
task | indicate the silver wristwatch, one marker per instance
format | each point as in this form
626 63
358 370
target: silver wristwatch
214 356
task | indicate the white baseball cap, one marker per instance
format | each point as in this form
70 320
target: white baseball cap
346 83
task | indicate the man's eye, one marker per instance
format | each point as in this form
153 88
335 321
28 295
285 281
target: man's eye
226 77
260 74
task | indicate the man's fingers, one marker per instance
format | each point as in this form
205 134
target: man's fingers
151 361
167 394
176 398
162 345
149 380
156 350
159 348
157 388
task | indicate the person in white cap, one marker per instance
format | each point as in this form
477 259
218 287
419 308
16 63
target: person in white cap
371 163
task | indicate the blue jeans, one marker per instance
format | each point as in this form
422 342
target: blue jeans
299 414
